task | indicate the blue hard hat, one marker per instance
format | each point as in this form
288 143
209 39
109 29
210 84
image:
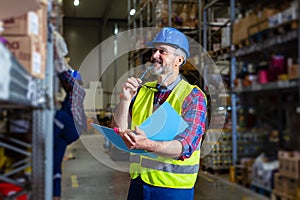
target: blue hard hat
75 74
173 37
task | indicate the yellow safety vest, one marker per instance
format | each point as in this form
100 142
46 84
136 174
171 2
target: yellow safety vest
161 171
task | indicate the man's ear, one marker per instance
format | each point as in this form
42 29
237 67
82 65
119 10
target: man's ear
179 60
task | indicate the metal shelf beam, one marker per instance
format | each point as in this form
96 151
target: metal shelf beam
278 85
233 95
15 84
268 43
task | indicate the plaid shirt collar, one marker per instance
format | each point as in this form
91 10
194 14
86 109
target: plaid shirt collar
170 86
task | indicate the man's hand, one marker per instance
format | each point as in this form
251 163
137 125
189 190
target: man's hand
130 88
135 139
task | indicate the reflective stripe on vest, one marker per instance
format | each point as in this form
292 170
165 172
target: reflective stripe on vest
160 171
134 158
166 167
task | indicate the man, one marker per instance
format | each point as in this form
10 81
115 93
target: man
69 123
173 173
70 119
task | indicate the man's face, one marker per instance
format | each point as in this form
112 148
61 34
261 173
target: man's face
163 58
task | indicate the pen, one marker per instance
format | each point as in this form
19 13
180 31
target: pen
116 130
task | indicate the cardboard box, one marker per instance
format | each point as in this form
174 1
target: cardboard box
24 25
293 71
294 168
244 27
279 183
263 17
251 24
240 31
266 13
292 186
235 33
289 167
31 23
30 52
15 8
43 24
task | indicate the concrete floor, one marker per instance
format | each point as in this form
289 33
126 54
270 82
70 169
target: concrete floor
89 173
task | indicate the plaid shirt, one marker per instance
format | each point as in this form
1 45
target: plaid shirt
193 112
73 101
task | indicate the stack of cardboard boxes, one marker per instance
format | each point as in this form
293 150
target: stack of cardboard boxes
250 24
26 37
184 14
266 18
287 180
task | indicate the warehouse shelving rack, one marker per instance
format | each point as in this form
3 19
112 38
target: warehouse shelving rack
19 90
252 52
247 53
220 157
145 16
287 43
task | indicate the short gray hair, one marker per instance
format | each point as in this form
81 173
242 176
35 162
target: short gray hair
180 52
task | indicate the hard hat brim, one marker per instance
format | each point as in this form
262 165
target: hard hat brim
152 45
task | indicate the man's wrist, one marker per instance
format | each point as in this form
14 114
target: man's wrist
125 101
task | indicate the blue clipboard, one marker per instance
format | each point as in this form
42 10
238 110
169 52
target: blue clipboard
163 125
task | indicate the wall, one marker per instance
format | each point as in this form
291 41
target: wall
83 36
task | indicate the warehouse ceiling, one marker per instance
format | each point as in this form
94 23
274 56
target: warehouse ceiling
104 9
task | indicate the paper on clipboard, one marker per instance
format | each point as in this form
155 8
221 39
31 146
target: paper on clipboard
163 125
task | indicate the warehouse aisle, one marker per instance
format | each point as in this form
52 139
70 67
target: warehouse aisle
85 177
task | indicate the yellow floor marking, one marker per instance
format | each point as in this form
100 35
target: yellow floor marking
74 181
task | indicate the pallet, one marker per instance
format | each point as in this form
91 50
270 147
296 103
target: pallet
281 196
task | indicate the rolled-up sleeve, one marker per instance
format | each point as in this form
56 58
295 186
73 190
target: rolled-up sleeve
194 113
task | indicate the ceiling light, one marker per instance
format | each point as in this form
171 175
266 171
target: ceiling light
132 12
221 108
76 2
116 30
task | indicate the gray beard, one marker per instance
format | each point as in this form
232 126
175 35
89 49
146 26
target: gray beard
160 70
